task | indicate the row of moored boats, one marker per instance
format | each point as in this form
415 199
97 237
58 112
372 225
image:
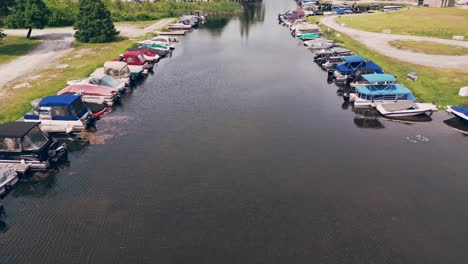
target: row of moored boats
364 82
28 145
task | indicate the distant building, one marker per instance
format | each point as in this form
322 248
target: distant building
438 3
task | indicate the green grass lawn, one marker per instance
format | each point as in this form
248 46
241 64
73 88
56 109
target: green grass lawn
431 22
13 47
434 85
429 47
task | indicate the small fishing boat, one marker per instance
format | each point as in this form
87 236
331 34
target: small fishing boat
8 178
405 108
26 143
118 70
180 26
161 40
371 95
93 93
332 62
461 113
61 114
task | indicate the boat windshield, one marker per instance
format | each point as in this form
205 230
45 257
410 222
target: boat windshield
77 107
34 139
109 81
141 58
9 145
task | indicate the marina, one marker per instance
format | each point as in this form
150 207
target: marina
236 147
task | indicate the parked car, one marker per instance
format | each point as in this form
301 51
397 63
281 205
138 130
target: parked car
25 142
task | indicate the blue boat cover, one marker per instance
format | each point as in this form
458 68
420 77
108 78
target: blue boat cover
350 68
58 100
393 89
353 59
462 110
379 77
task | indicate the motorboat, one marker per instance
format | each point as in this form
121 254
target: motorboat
371 95
162 40
93 93
150 54
351 65
61 114
26 143
118 70
461 113
99 78
180 26
373 79
305 29
8 178
137 63
331 62
405 108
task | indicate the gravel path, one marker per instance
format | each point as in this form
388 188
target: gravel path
55 43
380 42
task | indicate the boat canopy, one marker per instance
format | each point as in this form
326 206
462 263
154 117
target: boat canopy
354 59
393 89
459 109
115 65
309 36
352 67
16 129
59 100
399 106
379 78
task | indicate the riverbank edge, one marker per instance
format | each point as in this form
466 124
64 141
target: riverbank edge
439 86
84 58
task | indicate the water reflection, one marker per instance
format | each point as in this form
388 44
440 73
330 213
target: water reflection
37 186
367 118
458 126
254 12
215 25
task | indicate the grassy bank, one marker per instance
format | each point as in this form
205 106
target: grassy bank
13 47
428 47
81 62
431 22
63 12
434 85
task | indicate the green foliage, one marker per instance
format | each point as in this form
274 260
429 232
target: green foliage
94 23
62 12
2 35
28 14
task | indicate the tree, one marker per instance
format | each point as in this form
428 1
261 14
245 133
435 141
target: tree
28 14
94 22
2 35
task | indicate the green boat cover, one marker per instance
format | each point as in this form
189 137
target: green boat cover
309 36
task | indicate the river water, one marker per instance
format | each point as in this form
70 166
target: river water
237 150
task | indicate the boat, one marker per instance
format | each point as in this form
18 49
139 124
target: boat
26 143
137 63
331 62
351 65
405 108
118 70
161 40
93 93
180 26
370 95
461 113
99 78
61 114
8 178
309 36
375 79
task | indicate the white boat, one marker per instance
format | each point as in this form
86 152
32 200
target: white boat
161 40
180 26
8 177
405 108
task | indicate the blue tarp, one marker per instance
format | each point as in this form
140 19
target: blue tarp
350 68
58 100
353 59
379 77
339 11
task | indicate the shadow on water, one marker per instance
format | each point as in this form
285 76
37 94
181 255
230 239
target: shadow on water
455 124
367 118
215 25
254 12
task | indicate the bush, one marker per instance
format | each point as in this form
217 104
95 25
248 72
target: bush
94 23
2 35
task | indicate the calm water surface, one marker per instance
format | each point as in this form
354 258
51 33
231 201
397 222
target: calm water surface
238 151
